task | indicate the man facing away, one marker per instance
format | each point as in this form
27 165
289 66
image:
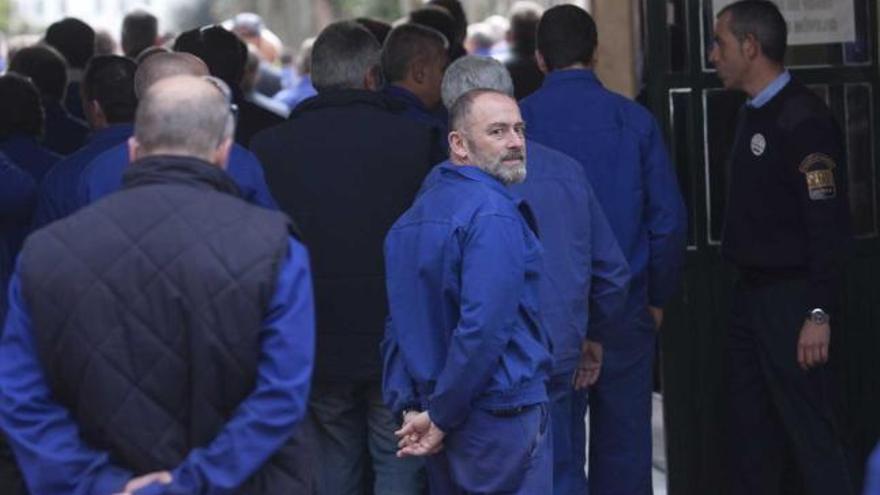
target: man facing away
584 283
174 340
786 231
466 357
345 166
621 149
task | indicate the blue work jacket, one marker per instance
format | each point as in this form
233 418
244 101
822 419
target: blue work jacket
104 175
53 457
29 154
586 277
620 146
462 268
415 110
59 191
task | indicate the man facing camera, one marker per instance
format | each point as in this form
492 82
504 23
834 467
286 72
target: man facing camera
466 359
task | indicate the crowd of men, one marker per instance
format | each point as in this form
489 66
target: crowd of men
417 282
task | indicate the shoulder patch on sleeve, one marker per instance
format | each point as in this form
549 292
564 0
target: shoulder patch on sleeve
818 168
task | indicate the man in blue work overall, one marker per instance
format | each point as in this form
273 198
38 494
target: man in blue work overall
620 147
583 285
466 358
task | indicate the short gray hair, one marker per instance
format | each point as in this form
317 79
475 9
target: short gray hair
343 54
162 65
183 115
472 72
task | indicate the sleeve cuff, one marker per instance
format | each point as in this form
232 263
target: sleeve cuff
111 479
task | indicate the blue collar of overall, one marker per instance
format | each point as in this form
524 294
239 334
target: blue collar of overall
475 173
770 91
572 74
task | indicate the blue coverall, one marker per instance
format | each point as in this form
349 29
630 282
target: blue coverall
583 290
464 340
621 149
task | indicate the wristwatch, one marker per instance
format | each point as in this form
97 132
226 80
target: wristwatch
818 316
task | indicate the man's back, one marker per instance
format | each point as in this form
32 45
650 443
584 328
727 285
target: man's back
621 149
345 166
148 327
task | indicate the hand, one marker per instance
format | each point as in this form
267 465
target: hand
589 366
419 436
812 348
135 484
657 314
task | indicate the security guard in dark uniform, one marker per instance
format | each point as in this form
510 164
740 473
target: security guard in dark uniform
786 231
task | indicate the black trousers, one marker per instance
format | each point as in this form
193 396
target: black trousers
778 412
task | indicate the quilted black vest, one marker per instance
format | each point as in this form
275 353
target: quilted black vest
147 307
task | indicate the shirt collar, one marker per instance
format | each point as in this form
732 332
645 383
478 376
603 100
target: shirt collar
572 74
770 91
477 174
113 132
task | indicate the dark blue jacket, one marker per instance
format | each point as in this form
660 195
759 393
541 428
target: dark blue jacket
29 154
345 166
64 133
585 279
59 191
463 267
104 175
414 109
621 148
17 195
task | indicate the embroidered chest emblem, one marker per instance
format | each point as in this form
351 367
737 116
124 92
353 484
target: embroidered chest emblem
818 168
758 144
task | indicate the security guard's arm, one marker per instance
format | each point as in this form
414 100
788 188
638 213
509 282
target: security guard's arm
815 165
492 280
666 219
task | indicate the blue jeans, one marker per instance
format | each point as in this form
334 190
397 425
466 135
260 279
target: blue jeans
354 432
495 454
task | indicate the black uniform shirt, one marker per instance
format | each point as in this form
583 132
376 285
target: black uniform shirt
787 206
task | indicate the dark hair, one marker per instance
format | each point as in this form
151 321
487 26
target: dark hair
762 20
109 80
380 29
22 109
440 19
222 51
566 35
74 39
462 107
524 27
343 54
457 12
406 44
45 67
140 29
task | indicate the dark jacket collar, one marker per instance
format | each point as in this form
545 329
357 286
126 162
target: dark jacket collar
348 97
183 170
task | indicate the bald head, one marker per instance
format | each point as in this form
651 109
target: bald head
184 116
162 65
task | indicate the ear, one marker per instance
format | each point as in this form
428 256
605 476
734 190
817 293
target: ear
134 149
541 63
221 154
458 147
750 47
373 79
419 70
